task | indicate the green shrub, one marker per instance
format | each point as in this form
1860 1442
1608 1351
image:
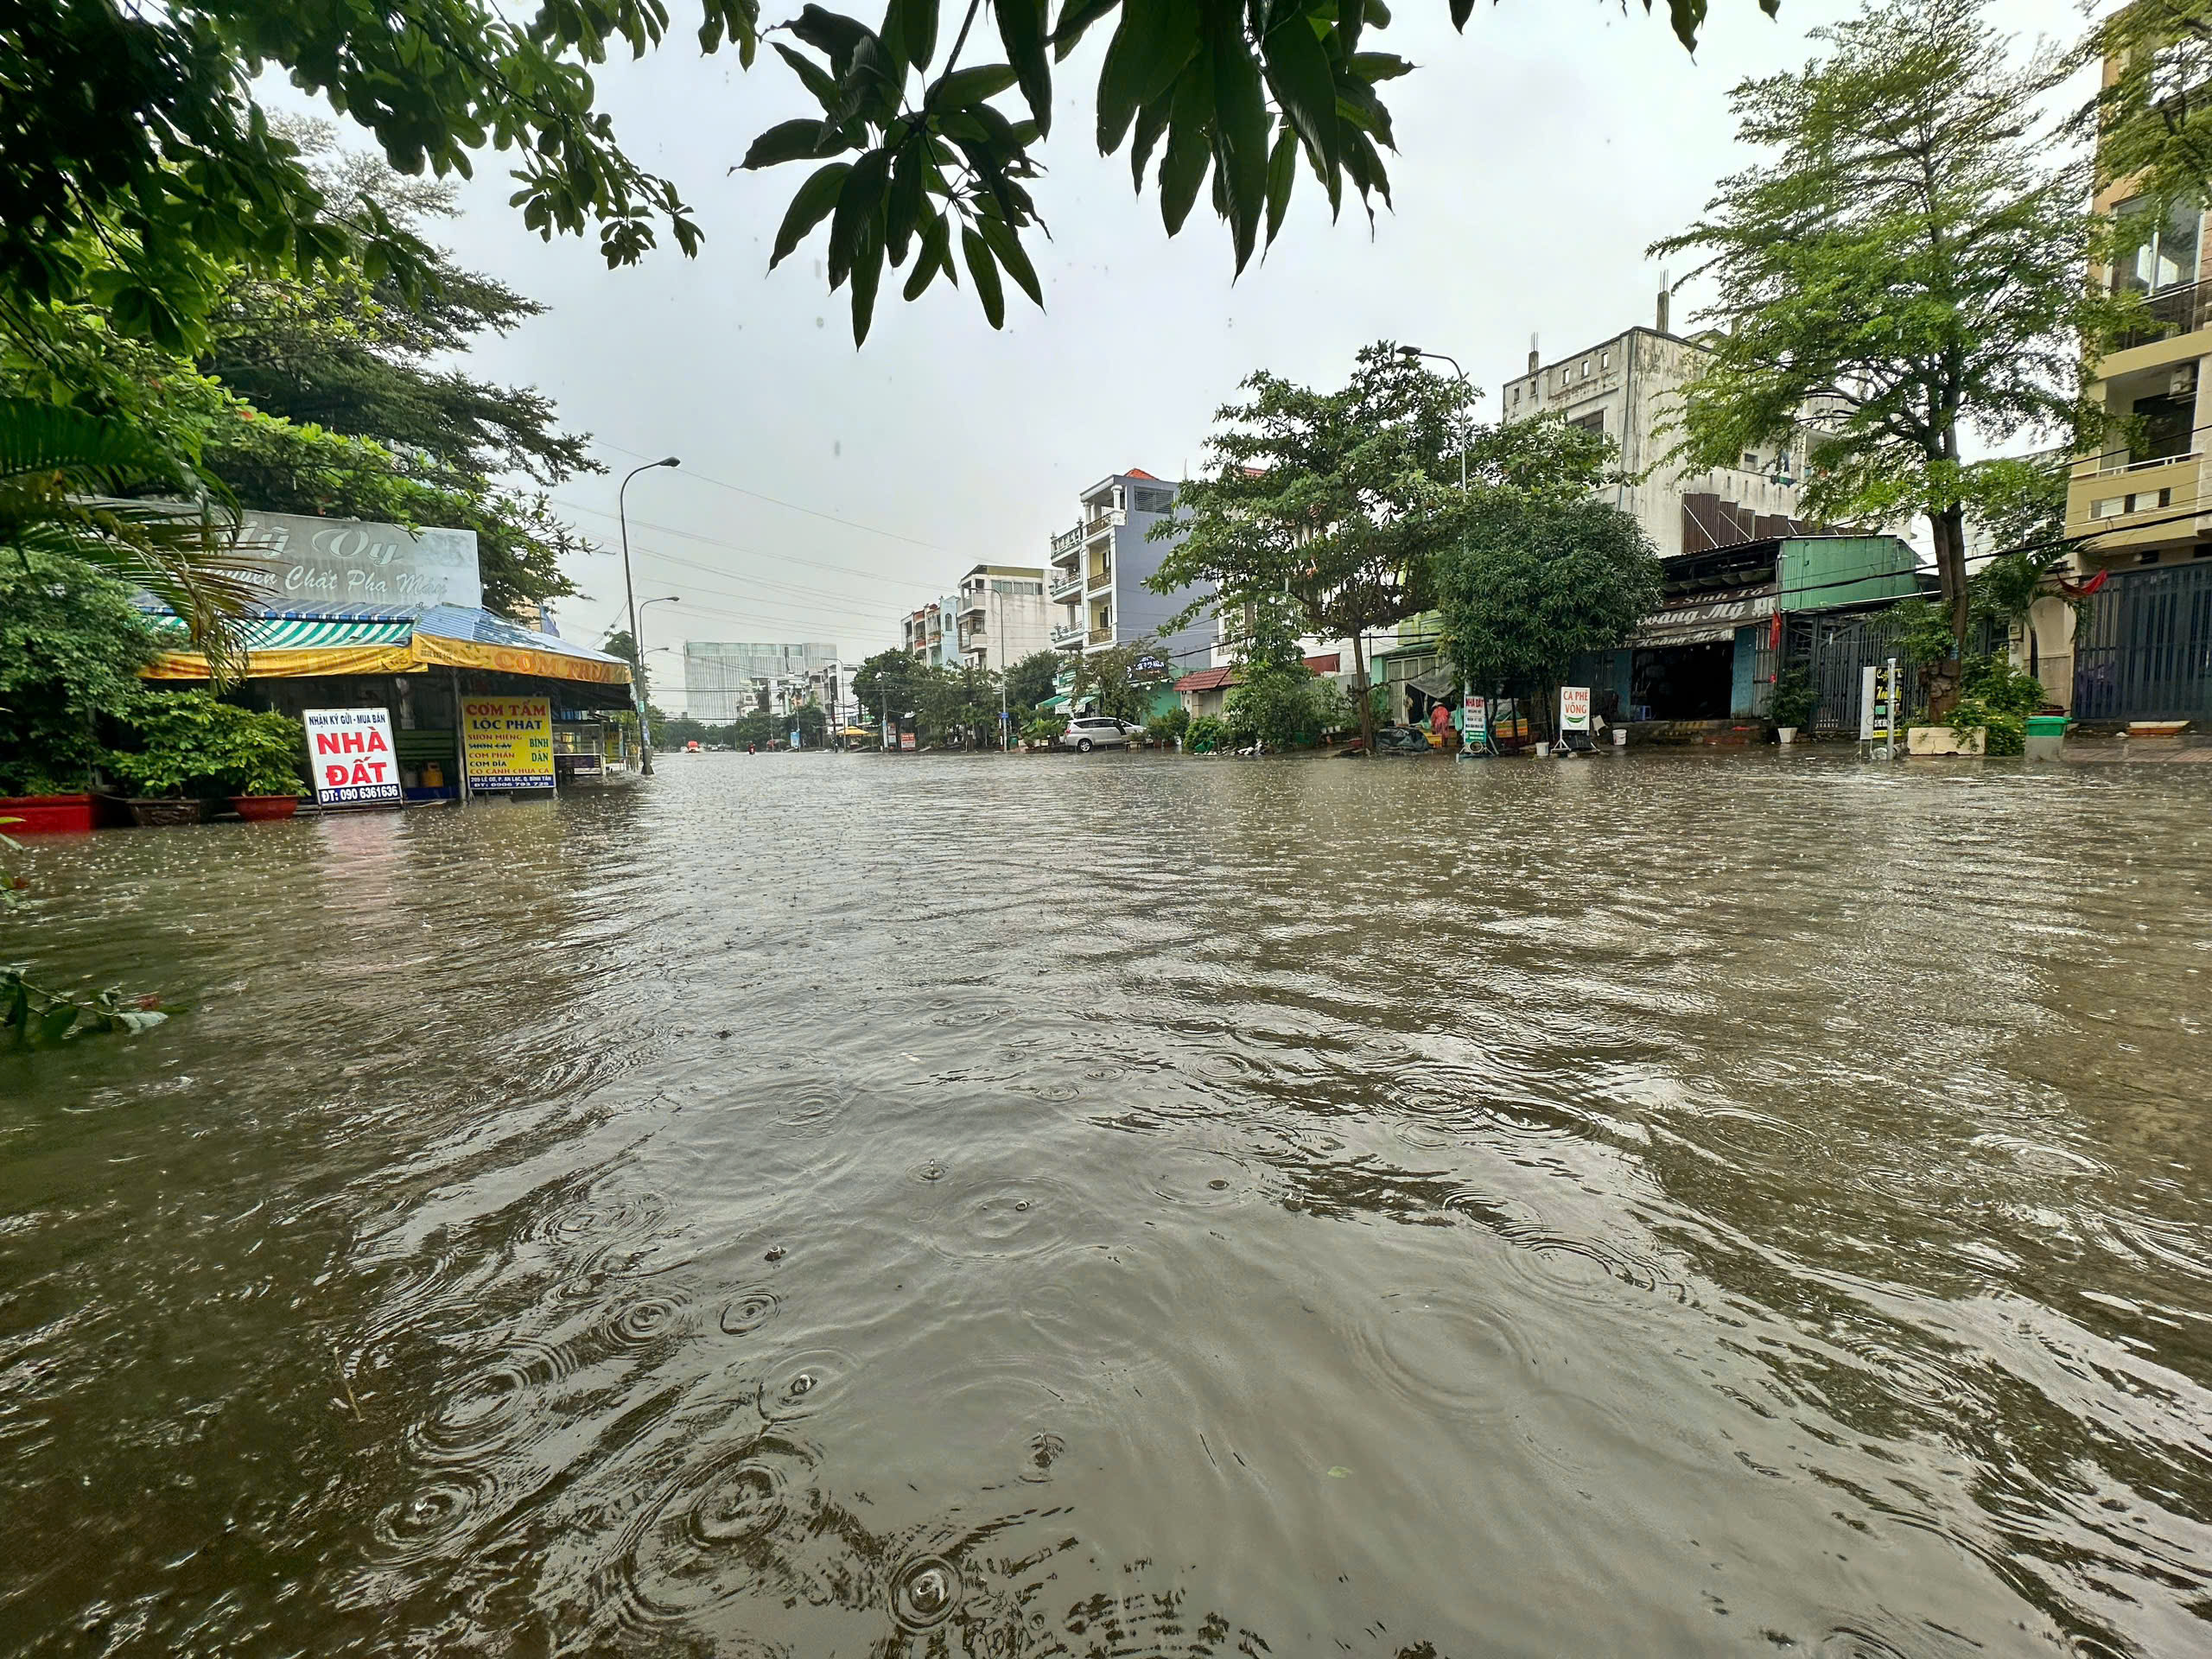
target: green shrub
2004 689
191 743
2008 731
70 645
1206 735
1793 699
1045 728
1166 728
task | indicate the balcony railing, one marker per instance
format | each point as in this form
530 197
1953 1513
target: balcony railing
2169 312
1067 586
1067 636
1101 636
1067 542
970 604
1103 575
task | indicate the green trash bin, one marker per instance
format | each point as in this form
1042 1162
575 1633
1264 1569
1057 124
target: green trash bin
2046 735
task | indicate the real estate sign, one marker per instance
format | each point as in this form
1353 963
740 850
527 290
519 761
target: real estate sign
352 753
1474 720
1574 708
508 742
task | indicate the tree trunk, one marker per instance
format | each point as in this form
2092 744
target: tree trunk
1360 690
1949 527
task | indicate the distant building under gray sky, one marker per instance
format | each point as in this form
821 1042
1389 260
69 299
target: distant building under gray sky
723 680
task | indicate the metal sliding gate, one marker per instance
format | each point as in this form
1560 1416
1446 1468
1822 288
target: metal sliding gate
2145 649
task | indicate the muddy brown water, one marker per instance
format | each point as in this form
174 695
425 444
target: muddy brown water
1660 1205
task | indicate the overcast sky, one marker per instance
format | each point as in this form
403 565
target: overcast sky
1541 153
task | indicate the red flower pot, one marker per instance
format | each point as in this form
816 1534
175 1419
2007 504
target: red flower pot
259 809
42 814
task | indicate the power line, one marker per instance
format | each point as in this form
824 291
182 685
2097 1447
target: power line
790 507
735 546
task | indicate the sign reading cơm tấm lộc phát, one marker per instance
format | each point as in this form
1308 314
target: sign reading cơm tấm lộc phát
507 742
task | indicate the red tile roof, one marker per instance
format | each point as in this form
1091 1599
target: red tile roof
1206 679
1326 664
1139 472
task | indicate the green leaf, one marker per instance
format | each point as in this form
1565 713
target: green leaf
868 271
818 80
1462 9
1240 126
790 140
1182 168
1282 170
832 33
907 174
857 200
1155 40
1688 17
963 88
932 254
1021 27
1298 72
1371 66
986 274
1351 15
809 208
1075 16
921 33
1152 121
1005 243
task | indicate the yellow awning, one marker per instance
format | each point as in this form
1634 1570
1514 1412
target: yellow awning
417 656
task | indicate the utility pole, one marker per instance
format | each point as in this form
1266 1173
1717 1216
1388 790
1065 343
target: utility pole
630 595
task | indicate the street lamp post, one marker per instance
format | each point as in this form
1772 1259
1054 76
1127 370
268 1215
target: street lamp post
630 597
637 643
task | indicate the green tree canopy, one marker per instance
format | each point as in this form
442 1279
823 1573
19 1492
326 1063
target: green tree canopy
1343 500
1032 680
1120 681
1901 272
888 683
71 646
145 118
1538 583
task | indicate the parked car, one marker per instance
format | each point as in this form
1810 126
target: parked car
1089 732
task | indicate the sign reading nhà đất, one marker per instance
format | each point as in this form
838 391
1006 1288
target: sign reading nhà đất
351 752
508 742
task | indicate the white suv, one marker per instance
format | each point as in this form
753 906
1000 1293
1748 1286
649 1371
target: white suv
1089 732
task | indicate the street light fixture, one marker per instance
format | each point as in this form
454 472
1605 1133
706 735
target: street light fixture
630 597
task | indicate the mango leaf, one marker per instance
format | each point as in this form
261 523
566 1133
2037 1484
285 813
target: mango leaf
54 1025
1351 16
1688 16
1184 166
1021 27
1075 16
906 208
1371 66
986 274
1002 241
832 33
921 33
790 141
931 234
818 80
1461 10
809 208
868 271
1155 40
964 87
1152 121
1240 127
1282 170
1298 73
857 200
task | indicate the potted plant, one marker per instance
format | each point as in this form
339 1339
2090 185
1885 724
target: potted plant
183 749
261 763
1793 704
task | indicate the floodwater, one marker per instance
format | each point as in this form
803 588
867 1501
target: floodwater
1666 1203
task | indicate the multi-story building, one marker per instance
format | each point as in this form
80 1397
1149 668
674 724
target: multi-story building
722 681
932 633
1630 389
2139 512
1096 575
1000 612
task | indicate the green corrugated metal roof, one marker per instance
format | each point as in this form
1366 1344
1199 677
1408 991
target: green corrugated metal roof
305 632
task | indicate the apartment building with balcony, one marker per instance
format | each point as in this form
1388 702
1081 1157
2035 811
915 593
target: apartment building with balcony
931 634
1000 611
1095 577
2139 512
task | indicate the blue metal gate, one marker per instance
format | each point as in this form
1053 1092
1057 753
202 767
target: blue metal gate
2145 649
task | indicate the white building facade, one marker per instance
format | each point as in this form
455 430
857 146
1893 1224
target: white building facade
1001 615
